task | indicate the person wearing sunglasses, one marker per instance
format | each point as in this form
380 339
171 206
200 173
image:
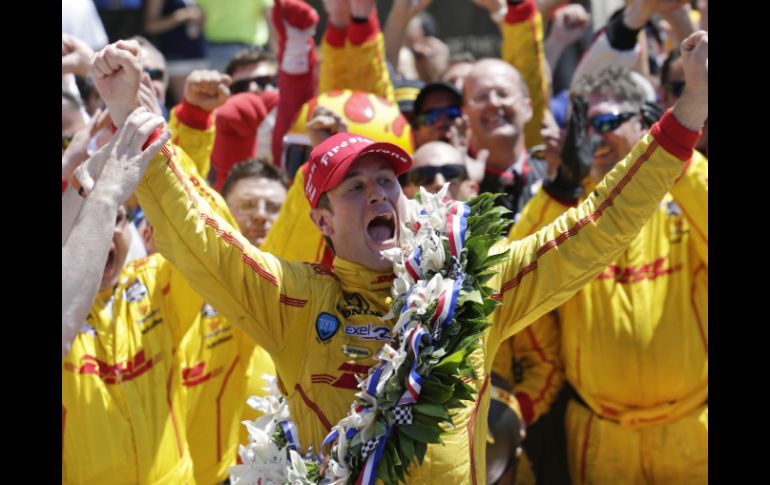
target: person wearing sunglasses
252 70
615 121
646 352
434 164
435 109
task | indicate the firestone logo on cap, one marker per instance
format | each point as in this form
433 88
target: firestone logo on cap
336 153
328 157
333 150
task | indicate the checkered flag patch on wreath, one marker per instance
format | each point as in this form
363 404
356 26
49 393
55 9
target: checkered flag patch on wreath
368 447
402 415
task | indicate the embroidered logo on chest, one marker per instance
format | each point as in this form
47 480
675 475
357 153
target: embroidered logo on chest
326 325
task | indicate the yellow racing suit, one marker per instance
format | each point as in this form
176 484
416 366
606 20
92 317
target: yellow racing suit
215 359
322 328
635 346
122 413
354 58
220 366
193 130
535 351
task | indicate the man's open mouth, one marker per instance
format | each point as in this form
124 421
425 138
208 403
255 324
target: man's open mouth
382 228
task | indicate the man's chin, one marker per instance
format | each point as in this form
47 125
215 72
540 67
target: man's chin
503 132
376 249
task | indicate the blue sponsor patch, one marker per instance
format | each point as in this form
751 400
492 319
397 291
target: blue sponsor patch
326 326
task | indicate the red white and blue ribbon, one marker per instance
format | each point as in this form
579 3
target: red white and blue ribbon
447 301
414 380
412 264
369 474
457 227
373 380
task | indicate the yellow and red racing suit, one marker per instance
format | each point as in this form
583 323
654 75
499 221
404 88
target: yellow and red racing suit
220 366
635 346
122 413
535 351
353 58
216 360
193 131
322 328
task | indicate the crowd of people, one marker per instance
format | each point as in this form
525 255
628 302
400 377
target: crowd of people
229 184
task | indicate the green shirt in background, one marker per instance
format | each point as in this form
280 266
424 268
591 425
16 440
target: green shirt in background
236 21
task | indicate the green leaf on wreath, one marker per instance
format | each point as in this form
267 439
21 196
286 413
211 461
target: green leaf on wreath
450 363
436 410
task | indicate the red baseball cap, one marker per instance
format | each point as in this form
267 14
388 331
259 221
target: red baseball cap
331 160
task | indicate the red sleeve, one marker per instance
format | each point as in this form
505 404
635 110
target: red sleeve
366 31
236 131
193 116
674 137
521 12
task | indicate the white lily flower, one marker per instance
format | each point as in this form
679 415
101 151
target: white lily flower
412 212
298 470
407 238
434 205
262 462
424 293
337 473
433 257
401 285
394 255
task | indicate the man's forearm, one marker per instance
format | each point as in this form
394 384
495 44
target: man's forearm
395 26
691 110
71 204
83 257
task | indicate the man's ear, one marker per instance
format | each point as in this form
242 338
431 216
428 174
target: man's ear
147 235
323 221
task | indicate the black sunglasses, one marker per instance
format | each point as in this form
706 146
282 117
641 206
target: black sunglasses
262 81
610 121
676 88
433 115
155 74
426 175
